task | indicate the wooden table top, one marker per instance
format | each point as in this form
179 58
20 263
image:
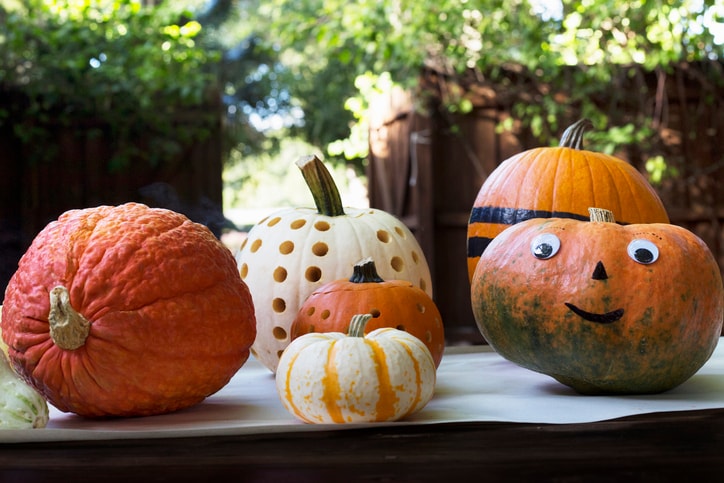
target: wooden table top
675 446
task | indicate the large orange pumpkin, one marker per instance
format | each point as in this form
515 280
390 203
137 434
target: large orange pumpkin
127 311
602 308
560 182
392 303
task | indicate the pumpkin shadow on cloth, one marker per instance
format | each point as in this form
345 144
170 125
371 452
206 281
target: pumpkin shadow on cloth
700 387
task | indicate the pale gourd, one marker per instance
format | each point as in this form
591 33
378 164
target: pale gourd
294 251
338 378
21 406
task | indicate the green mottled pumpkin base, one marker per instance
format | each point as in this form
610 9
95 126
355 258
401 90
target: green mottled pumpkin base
591 359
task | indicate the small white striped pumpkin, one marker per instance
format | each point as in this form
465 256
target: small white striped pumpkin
333 377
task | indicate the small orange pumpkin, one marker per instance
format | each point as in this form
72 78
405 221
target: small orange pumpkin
127 311
601 307
392 303
559 182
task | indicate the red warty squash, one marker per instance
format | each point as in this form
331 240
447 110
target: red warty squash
559 182
127 311
602 308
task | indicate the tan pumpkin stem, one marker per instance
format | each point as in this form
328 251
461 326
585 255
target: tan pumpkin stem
601 215
68 328
357 325
321 184
365 271
573 136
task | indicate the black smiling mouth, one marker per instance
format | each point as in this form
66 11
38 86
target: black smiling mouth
606 318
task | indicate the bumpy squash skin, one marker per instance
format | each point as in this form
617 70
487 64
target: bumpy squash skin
171 320
673 308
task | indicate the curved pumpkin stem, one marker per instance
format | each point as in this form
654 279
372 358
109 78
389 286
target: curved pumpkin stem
573 136
601 215
320 183
357 325
365 271
68 328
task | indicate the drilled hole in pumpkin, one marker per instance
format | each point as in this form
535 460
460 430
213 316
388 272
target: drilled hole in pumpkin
255 245
322 226
279 353
415 257
279 333
320 249
310 311
297 224
280 274
423 285
428 336
311 329
244 270
313 274
374 313
253 353
421 308
325 314
243 244
400 327
279 305
397 264
286 247
274 221
383 236
400 232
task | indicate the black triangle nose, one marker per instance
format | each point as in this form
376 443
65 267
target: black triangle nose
599 273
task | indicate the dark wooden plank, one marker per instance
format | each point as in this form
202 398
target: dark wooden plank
681 446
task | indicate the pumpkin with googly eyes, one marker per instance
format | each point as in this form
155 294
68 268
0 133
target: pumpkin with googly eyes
294 251
601 307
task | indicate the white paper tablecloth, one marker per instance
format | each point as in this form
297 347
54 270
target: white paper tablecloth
473 384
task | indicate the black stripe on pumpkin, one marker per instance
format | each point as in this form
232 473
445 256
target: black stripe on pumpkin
477 245
511 216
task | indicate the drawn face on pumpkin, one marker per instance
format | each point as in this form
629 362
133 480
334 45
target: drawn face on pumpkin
568 298
643 251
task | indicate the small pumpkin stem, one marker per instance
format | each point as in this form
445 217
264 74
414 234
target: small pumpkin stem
324 190
68 328
601 215
357 325
365 271
573 136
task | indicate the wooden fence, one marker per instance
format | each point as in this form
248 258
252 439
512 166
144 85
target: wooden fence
428 174
35 193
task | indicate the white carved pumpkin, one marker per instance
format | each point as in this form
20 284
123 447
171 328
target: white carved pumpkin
294 251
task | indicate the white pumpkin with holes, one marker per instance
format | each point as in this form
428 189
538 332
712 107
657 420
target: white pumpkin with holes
294 251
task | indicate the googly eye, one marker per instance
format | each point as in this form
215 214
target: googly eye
545 246
643 251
